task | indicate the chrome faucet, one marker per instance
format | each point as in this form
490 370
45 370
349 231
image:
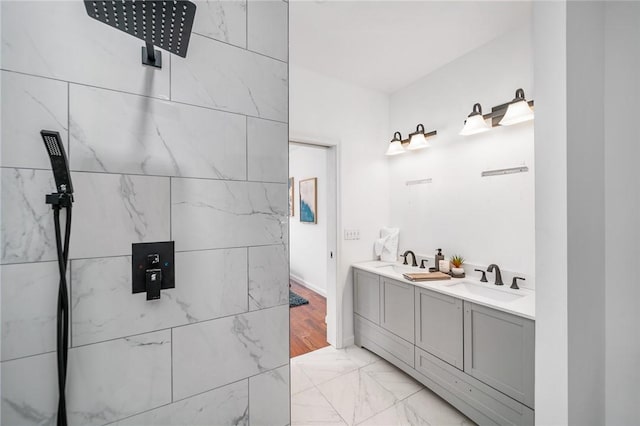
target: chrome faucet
413 258
498 273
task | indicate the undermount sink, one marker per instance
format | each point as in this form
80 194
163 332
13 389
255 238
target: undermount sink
400 269
489 293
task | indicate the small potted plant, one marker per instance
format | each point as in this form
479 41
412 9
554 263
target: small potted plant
456 262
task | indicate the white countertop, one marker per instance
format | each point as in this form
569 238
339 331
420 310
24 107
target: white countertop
524 306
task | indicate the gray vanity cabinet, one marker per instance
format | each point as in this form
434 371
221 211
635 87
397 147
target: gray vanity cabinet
396 311
367 295
439 326
499 351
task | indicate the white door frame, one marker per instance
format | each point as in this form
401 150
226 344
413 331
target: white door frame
334 298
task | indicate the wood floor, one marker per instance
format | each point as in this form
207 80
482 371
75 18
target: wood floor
308 330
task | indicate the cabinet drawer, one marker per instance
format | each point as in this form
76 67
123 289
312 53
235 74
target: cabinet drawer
498 407
396 309
499 351
366 295
439 325
382 342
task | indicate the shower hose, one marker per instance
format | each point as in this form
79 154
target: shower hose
62 334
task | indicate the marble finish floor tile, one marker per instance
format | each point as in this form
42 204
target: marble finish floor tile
356 396
374 393
311 408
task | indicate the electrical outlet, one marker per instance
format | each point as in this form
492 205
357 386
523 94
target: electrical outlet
351 234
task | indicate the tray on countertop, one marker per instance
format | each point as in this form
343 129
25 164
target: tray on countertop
427 276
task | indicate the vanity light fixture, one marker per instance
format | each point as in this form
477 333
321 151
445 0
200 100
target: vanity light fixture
518 111
395 147
417 139
475 122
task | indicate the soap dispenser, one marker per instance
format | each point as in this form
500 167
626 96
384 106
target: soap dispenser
439 257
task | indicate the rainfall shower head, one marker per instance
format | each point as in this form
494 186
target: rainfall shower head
58 158
166 24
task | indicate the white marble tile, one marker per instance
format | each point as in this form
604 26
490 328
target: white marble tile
112 211
268 150
120 133
391 378
325 364
210 214
59 40
115 379
268 277
209 284
27 233
227 405
299 381
268 28
213 353
356 396
358 355
434 410
106 382
29 295
396 415
228 78
224 20
311 408
269 396
30 391
31 104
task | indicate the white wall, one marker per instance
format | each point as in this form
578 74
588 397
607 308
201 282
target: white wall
327 110
550 53
307 241
622 204
486 220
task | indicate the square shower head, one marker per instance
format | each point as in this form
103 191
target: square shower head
165 24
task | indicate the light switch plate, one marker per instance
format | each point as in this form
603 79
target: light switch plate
351 234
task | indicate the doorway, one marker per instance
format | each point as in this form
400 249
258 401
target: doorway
312 242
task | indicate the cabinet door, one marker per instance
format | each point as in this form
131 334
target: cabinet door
396 313
439 326
366 295
499 350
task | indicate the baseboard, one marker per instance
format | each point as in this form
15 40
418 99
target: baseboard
308 285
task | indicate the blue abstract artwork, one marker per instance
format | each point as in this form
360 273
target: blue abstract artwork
308 200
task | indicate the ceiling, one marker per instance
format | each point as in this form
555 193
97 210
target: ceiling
387 45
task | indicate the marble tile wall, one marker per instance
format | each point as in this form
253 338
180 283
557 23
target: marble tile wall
195 152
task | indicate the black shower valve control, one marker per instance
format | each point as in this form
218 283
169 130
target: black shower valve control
152 268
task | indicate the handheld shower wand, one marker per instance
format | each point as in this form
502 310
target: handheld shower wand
63 198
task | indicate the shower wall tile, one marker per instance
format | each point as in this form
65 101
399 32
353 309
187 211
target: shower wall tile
227 405
213 214
224 77
30 104
30 391
268 27
269 396
223 20
213 353
27 233
116 379
112 211
121 133
59 40
209 284
268 150
29 292
268 277
106 382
